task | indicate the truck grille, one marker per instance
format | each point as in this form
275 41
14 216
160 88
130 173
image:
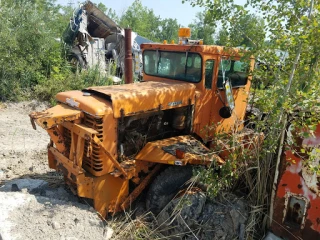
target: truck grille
93 162
67 138
92 156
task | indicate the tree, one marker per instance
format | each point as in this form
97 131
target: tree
293 29
141 20
29 47
202 28
109 12
246 30
168 30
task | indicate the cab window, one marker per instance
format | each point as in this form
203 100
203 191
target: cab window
209 73
236 71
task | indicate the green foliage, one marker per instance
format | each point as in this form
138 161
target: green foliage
108 11
141 20
144 21
168 30
246 30
289 82
64 81
32 63
28 42
283 85
202 28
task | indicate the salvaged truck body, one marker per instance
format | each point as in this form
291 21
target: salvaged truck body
111 141
296 211
93 40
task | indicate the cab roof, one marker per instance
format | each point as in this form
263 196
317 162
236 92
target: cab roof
210 49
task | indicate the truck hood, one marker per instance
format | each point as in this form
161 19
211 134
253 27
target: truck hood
130 99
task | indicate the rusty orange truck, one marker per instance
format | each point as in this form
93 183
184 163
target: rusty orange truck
111 142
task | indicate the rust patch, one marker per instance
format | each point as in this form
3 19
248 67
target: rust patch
297 202
295 211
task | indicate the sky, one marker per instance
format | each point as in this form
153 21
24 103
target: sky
184 13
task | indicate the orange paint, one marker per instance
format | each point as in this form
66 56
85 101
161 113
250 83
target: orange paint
292 182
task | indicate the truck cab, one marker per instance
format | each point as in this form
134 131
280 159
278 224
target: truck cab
203 66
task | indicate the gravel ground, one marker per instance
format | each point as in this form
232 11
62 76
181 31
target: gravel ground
34 202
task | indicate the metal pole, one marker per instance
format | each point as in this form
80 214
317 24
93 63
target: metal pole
128 75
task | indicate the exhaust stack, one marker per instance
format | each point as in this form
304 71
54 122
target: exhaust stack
128 75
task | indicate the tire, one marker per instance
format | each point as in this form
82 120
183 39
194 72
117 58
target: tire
166 185
77 63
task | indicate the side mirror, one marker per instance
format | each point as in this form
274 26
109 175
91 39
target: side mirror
225 112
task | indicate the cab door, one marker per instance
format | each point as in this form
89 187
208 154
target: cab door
204 100
237 73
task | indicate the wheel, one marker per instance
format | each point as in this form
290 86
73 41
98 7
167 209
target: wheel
76 62
166 185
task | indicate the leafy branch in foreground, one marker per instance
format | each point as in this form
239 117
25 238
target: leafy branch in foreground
289 63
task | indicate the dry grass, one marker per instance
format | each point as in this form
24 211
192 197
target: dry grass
131 225
256 182
128 227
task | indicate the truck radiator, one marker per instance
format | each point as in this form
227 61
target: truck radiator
67 138
92 156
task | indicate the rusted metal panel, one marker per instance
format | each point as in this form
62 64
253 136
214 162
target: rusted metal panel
58 139
128 56
64 164
212 49
114 161
81 130
146 96
179 150
93 105
297 201
54 116
97 18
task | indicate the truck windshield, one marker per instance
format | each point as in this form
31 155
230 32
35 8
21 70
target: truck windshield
185 66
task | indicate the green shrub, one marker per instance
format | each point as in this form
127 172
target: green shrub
32 64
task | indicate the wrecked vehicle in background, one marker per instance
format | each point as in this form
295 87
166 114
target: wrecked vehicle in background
94 40
296 208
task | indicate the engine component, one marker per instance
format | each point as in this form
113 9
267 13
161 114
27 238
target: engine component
179 119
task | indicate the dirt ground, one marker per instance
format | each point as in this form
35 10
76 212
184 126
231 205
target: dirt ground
34 202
